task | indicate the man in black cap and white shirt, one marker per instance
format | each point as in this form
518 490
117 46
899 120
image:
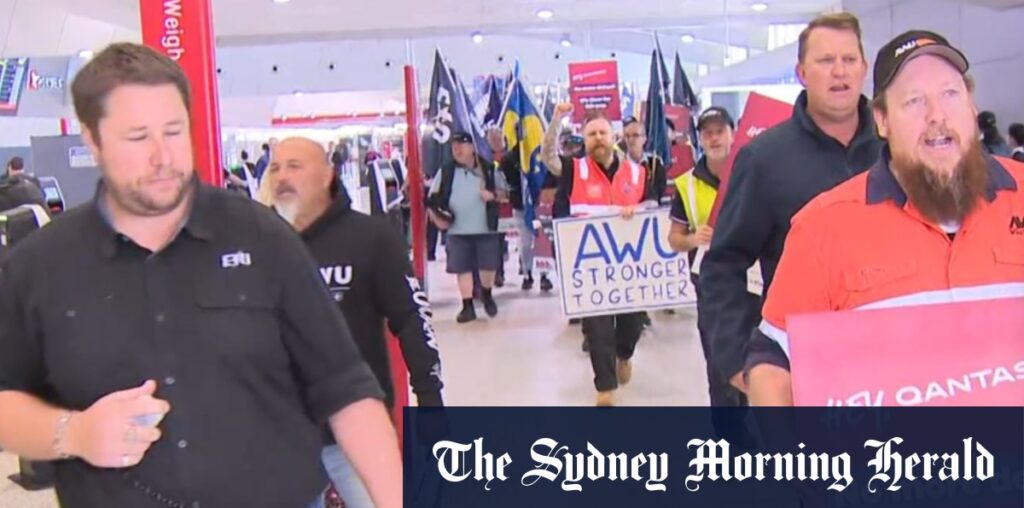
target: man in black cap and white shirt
464 202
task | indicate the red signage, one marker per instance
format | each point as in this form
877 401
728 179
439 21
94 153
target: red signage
183 30
682 149
760 114
594 86
963 354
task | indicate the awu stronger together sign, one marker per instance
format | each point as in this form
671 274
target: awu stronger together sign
609 265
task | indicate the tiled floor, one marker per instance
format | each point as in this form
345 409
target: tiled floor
528 355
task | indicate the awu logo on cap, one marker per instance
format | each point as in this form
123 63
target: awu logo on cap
916 43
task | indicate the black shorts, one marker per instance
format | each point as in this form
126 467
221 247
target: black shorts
469 253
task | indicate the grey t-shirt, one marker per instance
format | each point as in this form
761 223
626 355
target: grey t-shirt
466 202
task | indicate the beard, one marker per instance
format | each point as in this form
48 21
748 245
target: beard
286 202
288 210
134 199
940 197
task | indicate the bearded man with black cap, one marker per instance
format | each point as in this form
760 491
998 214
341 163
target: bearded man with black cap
931 222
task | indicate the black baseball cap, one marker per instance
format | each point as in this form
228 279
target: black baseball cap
908 45
461 137
715 114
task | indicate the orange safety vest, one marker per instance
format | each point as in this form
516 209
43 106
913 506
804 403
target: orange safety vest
592 193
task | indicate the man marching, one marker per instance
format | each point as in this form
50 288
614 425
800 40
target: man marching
601 183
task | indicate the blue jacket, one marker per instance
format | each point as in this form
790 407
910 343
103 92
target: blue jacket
773 177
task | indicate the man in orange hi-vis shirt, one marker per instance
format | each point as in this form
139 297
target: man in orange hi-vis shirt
936 220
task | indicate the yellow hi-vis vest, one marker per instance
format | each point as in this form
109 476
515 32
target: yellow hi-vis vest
698 199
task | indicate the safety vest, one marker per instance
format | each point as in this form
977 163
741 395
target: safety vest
698 198
594 194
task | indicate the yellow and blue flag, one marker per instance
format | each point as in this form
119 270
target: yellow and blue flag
523 126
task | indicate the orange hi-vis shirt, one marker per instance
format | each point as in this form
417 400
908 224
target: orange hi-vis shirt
594 193
862 245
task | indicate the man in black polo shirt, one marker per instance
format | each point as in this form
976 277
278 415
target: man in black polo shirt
830 138
170 343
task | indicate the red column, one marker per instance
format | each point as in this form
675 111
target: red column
399 370
183 30
418 213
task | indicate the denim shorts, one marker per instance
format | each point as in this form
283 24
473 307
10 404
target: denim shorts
469 253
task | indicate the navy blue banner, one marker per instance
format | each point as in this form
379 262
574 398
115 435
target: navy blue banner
698 457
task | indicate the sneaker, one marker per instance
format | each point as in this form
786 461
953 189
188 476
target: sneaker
468 314
545 284
624 368
605 399
490 307
527 283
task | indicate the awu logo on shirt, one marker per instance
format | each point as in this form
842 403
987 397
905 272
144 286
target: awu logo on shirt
338 279
1016 225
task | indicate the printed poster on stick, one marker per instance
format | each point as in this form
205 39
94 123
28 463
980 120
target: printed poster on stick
594 86
958 354
760 114
610 265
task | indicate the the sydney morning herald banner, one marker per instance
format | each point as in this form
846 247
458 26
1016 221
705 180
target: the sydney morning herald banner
699 457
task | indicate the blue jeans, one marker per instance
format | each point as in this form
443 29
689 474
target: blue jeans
345 478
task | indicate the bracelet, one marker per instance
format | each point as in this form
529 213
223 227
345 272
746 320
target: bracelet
59 434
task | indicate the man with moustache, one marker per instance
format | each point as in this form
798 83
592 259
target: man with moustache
371 280
830 138
935 220
168 343
601 183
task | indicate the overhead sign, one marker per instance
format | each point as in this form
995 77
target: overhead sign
36 87
594 86
611 265
37 81
963 354
760 114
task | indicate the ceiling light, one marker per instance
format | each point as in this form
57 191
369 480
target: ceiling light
85 54
538 89
759 7
566 42
687 38
281 1
545 14
478 37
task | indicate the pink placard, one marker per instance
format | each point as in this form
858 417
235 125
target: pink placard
962 354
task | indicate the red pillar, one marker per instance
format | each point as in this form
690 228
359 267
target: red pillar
399 370
183 30
418 214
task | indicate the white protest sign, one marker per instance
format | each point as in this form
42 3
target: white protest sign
610 265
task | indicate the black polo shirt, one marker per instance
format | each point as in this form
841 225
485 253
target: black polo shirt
232 322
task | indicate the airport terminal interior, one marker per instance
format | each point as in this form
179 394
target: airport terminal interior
336 72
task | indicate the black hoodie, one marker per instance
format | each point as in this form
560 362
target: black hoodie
366 267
